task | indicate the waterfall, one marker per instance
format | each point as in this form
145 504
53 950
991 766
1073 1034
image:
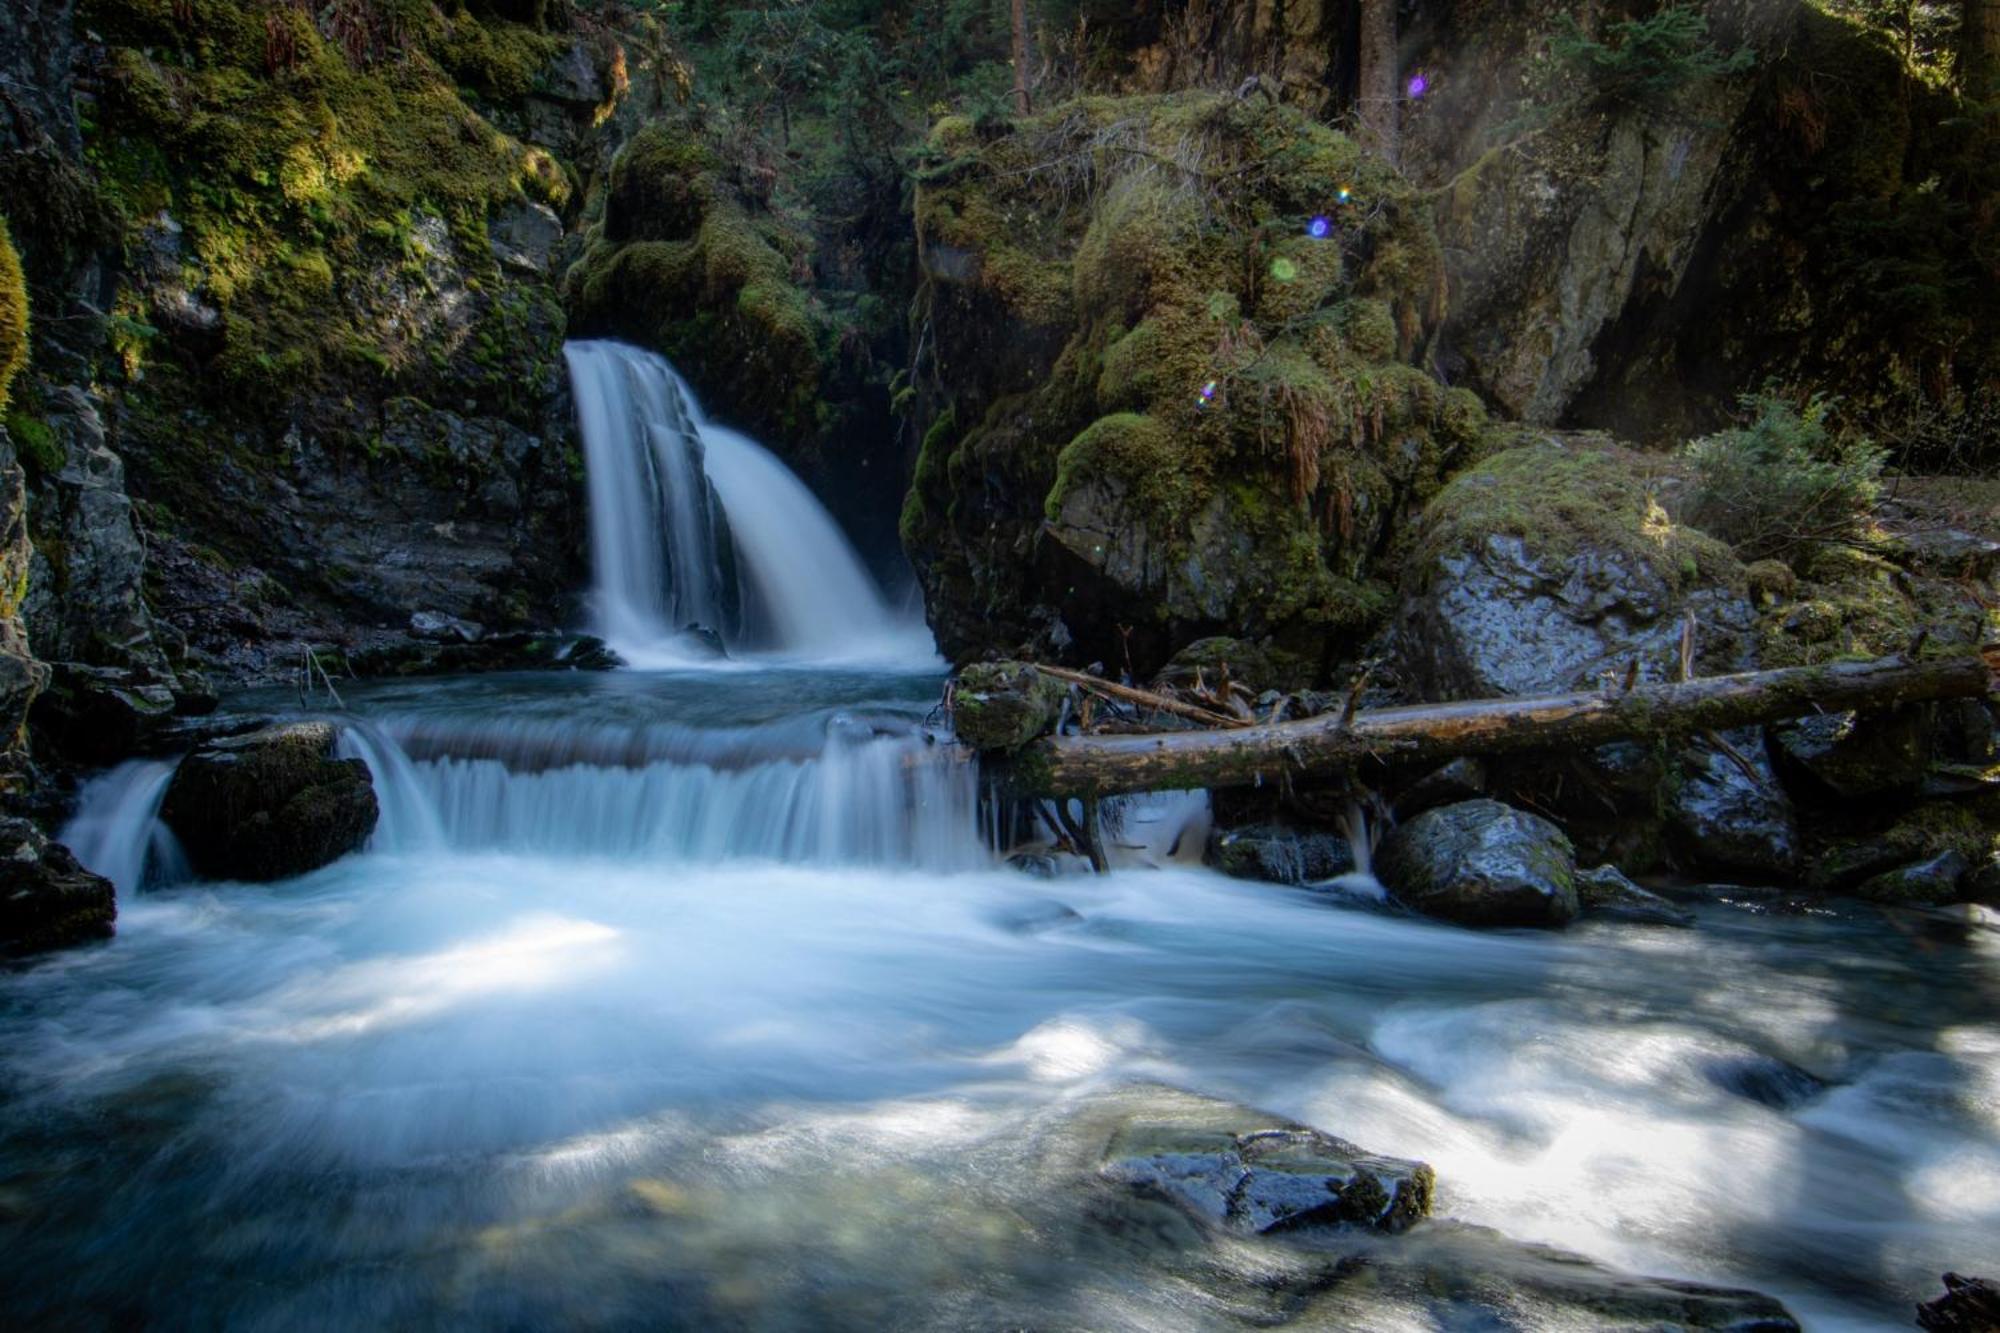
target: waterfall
692 524
117 831
858 796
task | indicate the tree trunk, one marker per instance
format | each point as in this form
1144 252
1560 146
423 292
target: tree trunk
1379 100
1979 47
1021 57
1107 765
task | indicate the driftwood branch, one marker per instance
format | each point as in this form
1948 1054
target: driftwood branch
1243 755
1144 698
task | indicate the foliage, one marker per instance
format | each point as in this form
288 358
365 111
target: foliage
1785 481
1924 32
13 315
1645 62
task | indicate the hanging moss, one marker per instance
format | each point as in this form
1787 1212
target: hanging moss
13 315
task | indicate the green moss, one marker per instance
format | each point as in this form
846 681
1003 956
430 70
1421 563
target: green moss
1564 499
1849 604
39 448
13 315
1141 454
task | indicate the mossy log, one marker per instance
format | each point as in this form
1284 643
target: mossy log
1107 765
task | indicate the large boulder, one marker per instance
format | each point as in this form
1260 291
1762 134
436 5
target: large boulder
1554 566
1239 1169
46 899
270 805
1728 813
1481 863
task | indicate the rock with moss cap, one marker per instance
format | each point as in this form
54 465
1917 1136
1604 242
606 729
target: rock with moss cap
1174 413
1004 705
1480 863
1553 566
1857 757
270 805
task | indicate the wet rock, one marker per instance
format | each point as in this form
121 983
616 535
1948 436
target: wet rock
1463 779
1763 1079
270 805
99 715
1727 820
1280 854
521 650
1854 757
1552 567
1004 705
1607 891
47 900
1480 863
572 77
587 652
1035 865
1237 1169
1926 883
1969 1305
1218 659
441 628
705 640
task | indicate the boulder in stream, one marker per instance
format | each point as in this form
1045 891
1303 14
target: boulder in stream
1280 854
47 899
1004 705
1969 1305
1481 863
270 805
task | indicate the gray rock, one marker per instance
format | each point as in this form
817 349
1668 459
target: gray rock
1929 882
572 77
86 602
1723 820
441 628
99 715
1280 854
1606 891
525 237
47 900
1857 756
270 805
1969 1305
1481 863
1463 779
1236 1169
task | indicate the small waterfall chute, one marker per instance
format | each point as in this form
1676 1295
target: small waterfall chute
117 831
678 506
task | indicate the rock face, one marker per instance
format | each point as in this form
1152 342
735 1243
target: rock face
1480 863
46 899
21 676
1243 1171
270 805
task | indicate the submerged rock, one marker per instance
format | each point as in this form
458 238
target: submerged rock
1481 863
1763 1079
1607 891
1238 1169
1969 1305
47 899
270 805
1280 854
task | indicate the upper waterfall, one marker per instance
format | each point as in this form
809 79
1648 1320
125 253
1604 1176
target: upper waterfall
695 525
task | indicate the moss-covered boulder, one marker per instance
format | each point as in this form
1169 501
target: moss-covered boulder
691 264
1173 393
1480 863
270 805
1004 705
1556 565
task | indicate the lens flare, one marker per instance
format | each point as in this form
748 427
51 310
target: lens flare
1283 269
1319 227
1206 396
1419 85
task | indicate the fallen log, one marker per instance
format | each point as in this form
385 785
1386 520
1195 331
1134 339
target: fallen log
1092 766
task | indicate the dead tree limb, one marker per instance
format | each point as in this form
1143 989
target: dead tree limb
1106 765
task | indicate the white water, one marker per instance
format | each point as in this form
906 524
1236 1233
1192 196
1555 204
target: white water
117 830
660 561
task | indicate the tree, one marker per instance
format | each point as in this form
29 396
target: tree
1378 97
1979 46
1021 57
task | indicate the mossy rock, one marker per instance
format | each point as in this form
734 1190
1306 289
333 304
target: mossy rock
13 315
1004 705
1181 379
270 805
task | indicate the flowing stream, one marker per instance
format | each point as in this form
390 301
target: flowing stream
698 998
